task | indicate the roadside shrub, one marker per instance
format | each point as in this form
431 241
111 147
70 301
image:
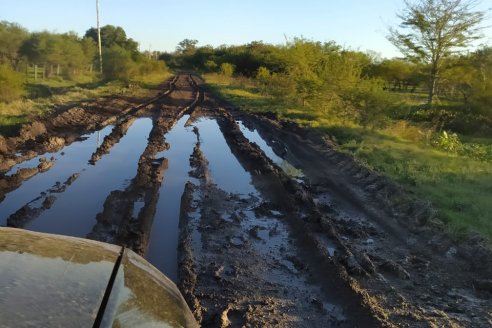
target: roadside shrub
118 64
372 103
227 69
210 66
449 142
478 151
147 66
263 77
11 84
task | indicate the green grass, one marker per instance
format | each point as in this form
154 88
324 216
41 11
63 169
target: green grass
460 188
45 94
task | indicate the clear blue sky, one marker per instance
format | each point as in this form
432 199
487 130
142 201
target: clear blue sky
161 24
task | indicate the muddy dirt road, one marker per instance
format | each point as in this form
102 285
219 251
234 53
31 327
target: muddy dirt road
260 223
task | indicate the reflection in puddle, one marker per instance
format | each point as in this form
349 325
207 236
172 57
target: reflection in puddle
163 242
253 136
224 168
74 152
137 207
74 159
75 210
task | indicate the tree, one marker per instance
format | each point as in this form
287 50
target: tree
432 30
111 36
186 46
12 36
67 50
399 74
118 64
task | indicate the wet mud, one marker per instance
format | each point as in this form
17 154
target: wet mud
273 227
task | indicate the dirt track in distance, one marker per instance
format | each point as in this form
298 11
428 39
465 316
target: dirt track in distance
260 223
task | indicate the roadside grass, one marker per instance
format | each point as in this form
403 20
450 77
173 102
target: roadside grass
459 187
45 95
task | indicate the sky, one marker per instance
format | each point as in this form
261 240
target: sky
161 25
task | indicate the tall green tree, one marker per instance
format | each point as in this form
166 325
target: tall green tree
111 36
432 30
12 36
187 46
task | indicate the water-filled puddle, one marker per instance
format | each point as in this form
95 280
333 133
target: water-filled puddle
67 161
165 232
75 210
224 168
253 136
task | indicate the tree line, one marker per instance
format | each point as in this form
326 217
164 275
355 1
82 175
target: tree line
348 84
67 54
455 85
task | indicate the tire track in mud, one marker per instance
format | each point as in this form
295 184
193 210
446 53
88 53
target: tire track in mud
378 266
9 183
342 246
262 289
60 131
36 207
121 222
402 279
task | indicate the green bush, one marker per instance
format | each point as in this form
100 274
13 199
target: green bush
227 69
118 64
210 66
449 142
147 66
371 102
11 84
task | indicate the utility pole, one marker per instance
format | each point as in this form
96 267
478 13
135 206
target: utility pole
99 38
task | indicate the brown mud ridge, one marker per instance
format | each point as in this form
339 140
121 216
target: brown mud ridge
341 247
389 265
63 128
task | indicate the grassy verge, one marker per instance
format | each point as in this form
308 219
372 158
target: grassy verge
458 187
43 96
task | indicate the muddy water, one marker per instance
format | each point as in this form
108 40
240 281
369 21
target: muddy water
329 198
251 227
164 236
253 136
74 210
224 168
69 160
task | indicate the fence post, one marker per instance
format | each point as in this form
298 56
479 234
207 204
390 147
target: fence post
35 72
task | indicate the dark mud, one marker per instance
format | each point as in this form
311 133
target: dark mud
258 240
400 260
276 227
